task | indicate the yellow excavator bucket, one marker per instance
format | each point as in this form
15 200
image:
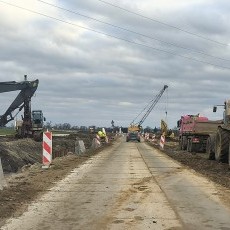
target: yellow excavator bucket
164 127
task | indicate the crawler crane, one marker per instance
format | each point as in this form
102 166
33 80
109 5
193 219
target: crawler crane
138 126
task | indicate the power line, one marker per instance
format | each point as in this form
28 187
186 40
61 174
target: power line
131 31
163 23
118 38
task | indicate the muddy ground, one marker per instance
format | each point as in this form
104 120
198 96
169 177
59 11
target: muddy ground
31 181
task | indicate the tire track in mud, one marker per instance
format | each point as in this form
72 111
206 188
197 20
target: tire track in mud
122 203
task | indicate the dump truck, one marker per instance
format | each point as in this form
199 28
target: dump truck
194 131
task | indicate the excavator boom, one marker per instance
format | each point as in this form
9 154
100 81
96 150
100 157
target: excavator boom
31 124
27 88
9 86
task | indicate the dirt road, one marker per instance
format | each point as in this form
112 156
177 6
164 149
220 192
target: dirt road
129 186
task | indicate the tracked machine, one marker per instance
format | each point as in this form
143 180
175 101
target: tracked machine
31 124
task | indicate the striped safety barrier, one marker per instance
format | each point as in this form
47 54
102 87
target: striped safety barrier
153 137
162 141
98 140
147 136
47 149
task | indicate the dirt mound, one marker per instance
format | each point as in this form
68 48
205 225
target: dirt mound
15 154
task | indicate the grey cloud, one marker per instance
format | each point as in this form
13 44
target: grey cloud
87 78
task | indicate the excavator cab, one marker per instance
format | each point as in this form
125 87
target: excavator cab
37 124
37 119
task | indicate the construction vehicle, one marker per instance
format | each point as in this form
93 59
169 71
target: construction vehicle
133 136
138 126
168 133
92 129
218 146
31 124
134 128
194 131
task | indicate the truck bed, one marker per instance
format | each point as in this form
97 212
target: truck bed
202 128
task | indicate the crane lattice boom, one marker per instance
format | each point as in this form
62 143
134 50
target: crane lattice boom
152 105
137 126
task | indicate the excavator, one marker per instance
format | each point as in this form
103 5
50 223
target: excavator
168 133
138 126
31 124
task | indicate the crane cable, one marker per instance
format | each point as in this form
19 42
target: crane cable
164 122
166 107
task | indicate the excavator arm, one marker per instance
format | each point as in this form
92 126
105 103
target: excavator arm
27 88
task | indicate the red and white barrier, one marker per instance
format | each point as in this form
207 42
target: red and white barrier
47 149
147 136
153 138
162 141
98 140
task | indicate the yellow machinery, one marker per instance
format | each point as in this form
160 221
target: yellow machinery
164 128
134 128
165 131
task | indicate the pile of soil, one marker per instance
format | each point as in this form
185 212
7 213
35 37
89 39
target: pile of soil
15 154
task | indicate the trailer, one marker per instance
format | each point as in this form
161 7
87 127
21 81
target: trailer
195 131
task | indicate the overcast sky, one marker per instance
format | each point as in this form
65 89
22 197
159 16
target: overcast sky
99 61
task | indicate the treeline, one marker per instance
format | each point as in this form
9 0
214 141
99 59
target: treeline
68 126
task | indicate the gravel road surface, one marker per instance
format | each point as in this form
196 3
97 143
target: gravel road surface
128 186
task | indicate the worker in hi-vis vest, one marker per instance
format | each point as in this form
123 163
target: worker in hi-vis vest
101 134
